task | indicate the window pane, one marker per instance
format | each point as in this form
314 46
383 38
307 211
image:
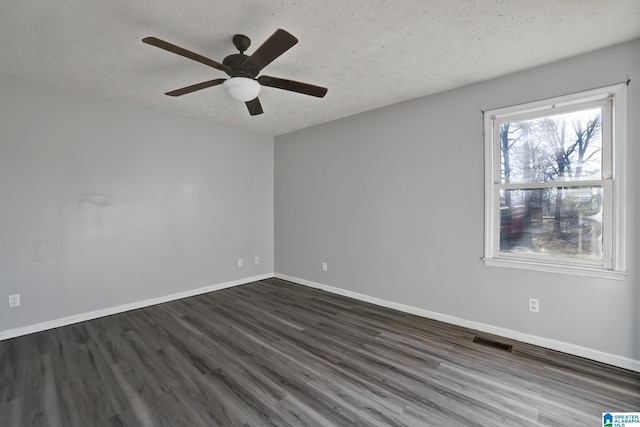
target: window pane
563 147
552 221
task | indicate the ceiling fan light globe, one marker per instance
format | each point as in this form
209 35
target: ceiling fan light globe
242 88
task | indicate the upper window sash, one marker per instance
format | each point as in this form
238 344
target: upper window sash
603 104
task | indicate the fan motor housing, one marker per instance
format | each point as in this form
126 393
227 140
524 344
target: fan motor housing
235 62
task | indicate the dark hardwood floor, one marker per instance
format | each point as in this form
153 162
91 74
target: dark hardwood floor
275 353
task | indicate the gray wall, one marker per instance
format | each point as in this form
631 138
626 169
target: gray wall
104 203
392 200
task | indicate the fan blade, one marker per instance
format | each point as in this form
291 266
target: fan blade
293 86
254 107
193 88
153 41
279 42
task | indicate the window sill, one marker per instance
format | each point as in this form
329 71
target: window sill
576 270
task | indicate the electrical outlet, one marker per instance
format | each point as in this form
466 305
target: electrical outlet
14 300
256 260
240 262
324 266
534 305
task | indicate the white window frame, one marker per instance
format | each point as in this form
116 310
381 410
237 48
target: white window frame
613 265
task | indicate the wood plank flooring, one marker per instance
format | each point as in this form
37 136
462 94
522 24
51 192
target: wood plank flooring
276 353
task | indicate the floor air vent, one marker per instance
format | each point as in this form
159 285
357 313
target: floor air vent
494 344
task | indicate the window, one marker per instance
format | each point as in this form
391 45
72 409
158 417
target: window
555 184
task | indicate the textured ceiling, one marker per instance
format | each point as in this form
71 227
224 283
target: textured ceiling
369 53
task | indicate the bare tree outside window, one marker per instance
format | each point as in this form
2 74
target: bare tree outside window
552 219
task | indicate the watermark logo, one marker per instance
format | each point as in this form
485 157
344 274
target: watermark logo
620 419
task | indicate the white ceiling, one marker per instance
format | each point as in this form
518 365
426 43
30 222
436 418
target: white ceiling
369 53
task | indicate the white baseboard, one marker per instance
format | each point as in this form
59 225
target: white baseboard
588 353
611 359
25 330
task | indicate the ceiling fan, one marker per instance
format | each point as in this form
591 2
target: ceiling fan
243 83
